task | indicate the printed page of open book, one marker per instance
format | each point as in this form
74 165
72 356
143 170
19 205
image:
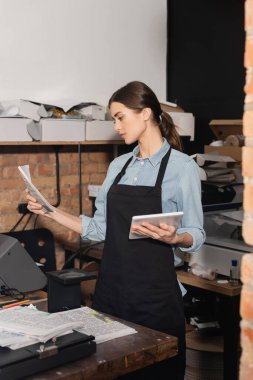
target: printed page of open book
35 324
26 325
101 326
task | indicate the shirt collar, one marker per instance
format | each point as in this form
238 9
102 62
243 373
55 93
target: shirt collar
155 158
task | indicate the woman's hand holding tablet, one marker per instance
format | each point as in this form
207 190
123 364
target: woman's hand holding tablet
156 226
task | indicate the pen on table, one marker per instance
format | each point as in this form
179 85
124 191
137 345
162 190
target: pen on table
5 305
15 304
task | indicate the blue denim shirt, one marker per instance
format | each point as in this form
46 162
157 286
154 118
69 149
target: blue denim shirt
181 191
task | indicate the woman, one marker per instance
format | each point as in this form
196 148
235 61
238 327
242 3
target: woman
137 280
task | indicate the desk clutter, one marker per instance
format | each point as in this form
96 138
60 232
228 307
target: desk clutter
32 341
220 168
221 161
23 328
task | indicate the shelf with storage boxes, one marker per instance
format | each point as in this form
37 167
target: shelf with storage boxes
23 130
100 130
15 129
229 138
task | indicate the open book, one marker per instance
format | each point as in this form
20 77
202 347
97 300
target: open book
101 326
22 326
25 173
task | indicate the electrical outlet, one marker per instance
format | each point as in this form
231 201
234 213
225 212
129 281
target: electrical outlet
22 208
93 190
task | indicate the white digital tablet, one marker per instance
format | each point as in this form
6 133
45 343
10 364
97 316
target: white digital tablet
170 218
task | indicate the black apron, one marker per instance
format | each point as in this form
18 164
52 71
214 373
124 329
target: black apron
137 280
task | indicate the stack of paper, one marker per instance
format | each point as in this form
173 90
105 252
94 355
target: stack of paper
217 174
22 326
217 168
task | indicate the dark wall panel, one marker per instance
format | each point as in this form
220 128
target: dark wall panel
205 72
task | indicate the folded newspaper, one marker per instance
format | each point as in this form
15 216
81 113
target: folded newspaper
25 173
22 326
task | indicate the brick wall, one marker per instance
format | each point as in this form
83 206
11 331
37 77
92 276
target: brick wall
246 306
42 162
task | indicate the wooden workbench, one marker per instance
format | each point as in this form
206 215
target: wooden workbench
117 357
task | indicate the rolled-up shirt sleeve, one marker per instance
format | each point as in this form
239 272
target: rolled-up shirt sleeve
95 228
189 200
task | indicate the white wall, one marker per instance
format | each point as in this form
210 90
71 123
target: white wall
81 49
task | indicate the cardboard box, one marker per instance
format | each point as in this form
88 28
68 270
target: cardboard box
14 129
100 130
22 108
170 107
185 123
232 151
93 112
222 129
62 129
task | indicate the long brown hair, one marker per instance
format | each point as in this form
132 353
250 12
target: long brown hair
137 95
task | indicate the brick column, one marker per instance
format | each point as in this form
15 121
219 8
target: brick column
246 306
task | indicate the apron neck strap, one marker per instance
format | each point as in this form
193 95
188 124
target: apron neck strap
162 169
122 172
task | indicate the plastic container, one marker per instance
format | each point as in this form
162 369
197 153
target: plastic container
234 273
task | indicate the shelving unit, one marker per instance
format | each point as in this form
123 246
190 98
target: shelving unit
93 142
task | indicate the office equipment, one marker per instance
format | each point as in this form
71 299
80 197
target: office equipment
23 362
64 290
223 242
17 268
39 243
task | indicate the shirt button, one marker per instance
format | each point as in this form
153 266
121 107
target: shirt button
142 162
